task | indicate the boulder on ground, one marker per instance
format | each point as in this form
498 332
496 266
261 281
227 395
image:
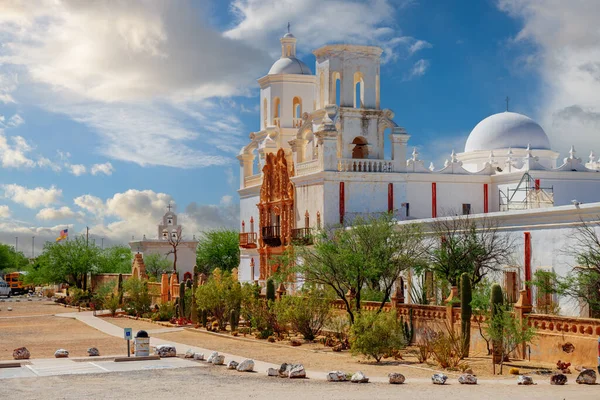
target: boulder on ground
212 356
246 366
284 370
439 379
524 380
199 356
21 353
189 353
61 353
93 352
9 309
272 372
297 371
359 377
558 379
467 379
219 360
165 350
232 364
587 377
336 376
396 378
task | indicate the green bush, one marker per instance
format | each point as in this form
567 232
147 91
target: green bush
138 299
221 294
112 303
165 312
306 314
102 295
376 334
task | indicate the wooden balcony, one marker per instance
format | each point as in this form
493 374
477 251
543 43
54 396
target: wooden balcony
302 236
271 235
248 240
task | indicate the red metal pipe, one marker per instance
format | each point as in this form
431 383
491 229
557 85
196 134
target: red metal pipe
528 263
433 200
342 203
390 197
485 198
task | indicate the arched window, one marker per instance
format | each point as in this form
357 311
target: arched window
336 88
359 90
165 234
360 149
288 51
322 89
174 235
297 113
265 112
169 221
276 111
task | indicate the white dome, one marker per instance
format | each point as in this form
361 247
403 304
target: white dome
289 65
507 130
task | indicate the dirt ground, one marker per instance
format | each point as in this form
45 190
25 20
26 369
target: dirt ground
33 325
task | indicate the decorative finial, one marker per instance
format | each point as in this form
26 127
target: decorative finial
592 156
507 100
491 159
446 163
288 27
415 154
453 158
528 150
572 153
431 166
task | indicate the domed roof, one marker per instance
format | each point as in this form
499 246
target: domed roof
289 65
507 130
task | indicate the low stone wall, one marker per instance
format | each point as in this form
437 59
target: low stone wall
569 339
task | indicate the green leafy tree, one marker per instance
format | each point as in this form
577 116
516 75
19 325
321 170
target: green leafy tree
137 297
372 252
218 249
11 260
114 259
464 245
219 295
156 265
376 334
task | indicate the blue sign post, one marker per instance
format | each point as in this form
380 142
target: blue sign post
127 333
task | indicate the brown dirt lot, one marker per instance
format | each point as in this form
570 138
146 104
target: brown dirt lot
33 325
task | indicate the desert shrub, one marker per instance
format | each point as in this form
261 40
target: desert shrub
112 303
306 314
79 297
376 334
138 299
165 312
221 294
424 344
102 295
447 348
339 325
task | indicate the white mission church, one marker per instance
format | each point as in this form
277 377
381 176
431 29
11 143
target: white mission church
318 159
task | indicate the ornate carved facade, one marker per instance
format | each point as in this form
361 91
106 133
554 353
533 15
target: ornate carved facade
276 210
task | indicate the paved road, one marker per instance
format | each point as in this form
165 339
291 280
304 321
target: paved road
217 382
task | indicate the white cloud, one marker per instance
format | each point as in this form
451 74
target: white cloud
53 214
106 169
418 69
44 162
4 211
91 204
77 169
13 152
15 120
32 198
317 22
561 43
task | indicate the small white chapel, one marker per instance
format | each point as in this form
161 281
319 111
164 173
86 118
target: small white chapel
319 158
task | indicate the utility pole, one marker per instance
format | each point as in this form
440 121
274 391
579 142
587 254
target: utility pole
102 243
16 244
87 233
32 244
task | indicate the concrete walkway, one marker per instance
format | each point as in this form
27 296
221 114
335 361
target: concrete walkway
261 366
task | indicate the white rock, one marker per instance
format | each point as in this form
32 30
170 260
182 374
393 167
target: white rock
284 370
199 356
297 371
272 372
21 353
439 379
246 366
212 356
396 378
165 350
61 353
524 380
93 352
467 379
189 353
9 309
336 376
232 364
359 377
218 360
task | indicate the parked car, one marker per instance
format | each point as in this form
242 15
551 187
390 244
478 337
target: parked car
4 289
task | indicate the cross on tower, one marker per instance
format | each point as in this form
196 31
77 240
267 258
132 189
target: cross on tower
507 100
169 206
288 27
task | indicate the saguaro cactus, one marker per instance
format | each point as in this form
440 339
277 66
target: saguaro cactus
194 306
270 290
496 301
120 288
182 299
233 320
466 312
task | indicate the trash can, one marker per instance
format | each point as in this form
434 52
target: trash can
142 344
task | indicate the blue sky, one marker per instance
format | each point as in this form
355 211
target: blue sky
111 110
